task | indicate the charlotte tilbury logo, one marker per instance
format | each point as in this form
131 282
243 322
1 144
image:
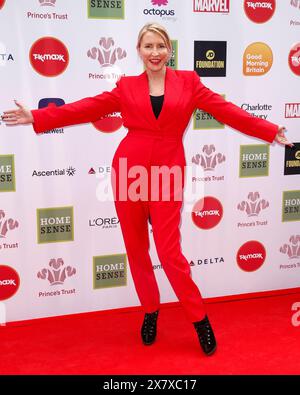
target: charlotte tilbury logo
209 159
254 205
292 250
57 273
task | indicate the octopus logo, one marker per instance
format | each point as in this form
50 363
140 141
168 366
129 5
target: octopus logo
49 56
207 212
159 2
2 2
251 256
9 282
294 59
259 11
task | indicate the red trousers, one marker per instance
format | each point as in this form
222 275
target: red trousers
148 152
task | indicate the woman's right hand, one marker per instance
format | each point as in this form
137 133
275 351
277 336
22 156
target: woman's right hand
18 116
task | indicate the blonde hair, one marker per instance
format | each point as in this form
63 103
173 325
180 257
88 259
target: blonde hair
158 29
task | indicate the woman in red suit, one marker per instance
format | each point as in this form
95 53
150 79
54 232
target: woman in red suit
156 107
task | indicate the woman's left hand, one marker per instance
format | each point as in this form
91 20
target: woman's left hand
280 137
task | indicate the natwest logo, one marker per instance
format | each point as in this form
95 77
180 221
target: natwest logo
259 11
211 6
251 256
9 282
49 56
207 212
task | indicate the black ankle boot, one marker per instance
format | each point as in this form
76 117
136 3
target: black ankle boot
206 336
148 330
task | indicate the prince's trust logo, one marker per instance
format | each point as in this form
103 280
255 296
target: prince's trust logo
254 160
109 271
7 173
57 273
106 9
292 251
55 224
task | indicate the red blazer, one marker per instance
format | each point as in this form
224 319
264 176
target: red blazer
184 92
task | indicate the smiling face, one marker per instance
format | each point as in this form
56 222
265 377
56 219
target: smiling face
153 51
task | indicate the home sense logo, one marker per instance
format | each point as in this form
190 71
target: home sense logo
55 224
291 206
254 160
210 58
173 62
49 56
109 271
9 282
108 9
211 6
257 59
251 256
7 173
259 11
207 212
292 159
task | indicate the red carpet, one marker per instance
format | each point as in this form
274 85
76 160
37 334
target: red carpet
255 336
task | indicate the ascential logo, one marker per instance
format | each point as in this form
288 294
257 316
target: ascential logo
108 9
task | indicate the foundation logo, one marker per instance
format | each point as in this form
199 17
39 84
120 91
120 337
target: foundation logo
291 206
9 282
292 110
109 271
259 11
57 272
254 205
55 224
6 224
108 9
292 250
257 59
207 212
292 159
203 120
217 6
7 173
4 55
50 3
173 62
209 158
251 256
294 59
2 2
254 160
210 58
107 55
49 56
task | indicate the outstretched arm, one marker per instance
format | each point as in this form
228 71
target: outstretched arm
86 110
234 116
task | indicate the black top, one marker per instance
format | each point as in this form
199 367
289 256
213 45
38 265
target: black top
157 103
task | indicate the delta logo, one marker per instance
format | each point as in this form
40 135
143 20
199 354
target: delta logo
4 55
9 282
109 271
216 6
49 56
294 59
254 160
259 11
251 256
106 9
7 173
55 224
292 110
207 212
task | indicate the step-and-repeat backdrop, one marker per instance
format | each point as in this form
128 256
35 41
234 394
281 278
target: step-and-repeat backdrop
61 248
